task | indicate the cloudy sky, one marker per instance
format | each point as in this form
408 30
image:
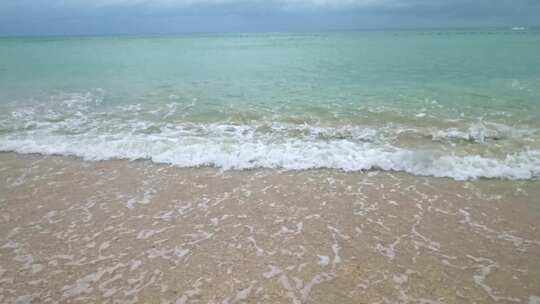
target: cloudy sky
51 17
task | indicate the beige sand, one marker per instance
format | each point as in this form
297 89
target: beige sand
134 232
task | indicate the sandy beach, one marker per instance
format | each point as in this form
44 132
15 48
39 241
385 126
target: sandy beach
73 231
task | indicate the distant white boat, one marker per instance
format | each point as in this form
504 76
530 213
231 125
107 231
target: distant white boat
518 28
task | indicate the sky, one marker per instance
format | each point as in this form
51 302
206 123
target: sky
74 17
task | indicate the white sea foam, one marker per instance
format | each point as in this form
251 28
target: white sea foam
482 132
238 147
129 132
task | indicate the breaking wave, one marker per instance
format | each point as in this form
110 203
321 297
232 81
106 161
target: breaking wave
245 147
75 125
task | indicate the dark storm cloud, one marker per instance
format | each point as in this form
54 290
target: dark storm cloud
144 16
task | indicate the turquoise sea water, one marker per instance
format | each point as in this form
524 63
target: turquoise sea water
460 104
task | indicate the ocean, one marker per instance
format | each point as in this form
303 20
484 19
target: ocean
354 167
458 104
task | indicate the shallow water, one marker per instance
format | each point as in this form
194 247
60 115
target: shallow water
419 155
459 104
137 232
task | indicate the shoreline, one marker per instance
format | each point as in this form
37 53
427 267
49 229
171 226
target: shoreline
413 163
124 232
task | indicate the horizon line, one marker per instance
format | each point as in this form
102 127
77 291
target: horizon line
374 29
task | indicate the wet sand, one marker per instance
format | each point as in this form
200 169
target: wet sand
73 231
